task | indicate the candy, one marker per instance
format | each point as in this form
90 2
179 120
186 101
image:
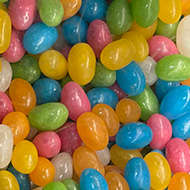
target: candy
104 156
54 186
71 184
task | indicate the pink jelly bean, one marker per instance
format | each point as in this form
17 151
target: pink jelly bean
161 46
48 144
5 105
16 49
22 13
70 139
115 87
98 36
178 155
65 51
162 131
75 99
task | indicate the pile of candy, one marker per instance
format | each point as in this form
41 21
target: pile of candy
95 94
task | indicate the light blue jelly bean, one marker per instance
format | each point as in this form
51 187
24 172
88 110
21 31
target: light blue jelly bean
131 79
39 38
91 179
102 95
134 136
93 9
137 174
159 151
75 30
176 102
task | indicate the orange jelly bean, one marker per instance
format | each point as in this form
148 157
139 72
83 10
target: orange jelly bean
185 82
185 6
128 111
22 95
188 141
44 172
19 125
115 169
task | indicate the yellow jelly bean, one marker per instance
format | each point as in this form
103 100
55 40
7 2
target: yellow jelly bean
170 11
0 65
2 6
81 63
117 54
5 30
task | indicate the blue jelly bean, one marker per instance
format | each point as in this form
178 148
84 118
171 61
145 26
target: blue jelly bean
102 95
91 179
47 90
159 151
134 136
131 79
75 30
137 174
176 102
93 9
39 38
162 87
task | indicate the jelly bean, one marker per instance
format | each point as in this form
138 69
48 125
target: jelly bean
70 7
131 79
103 77
109 116
19 124
2 5
137 174
48 116
128 136
115 87
178 155
158 151
38 188
116 181
113 168
81 63
39 38
169 13
65 80
22 179
32 133
120 157
26 68
182 36
170 108
98 36
6 145
118 54
8 181
83 158
63 166
185 6
159 168
185 82
104 156
146 32
91 179
54 186
43 173
16 49
75 30
140 44
70 139
148 66
119 16
128 111
5 31
167 30
24 157
47 90
65 51
180 181
148 103
91 124
5 105
162 87
71 184
22 13
22 95
51 12
75 99
162 131
145 12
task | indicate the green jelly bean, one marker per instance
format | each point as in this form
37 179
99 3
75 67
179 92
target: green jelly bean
48 116
145 12
55 185
65 80
173 68
148 103
119 16
103 77
3 1
51 12
168 30
71 184
26 68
